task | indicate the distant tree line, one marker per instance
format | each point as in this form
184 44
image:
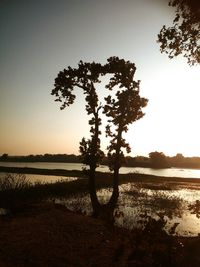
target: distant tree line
160 160
155 160
71 158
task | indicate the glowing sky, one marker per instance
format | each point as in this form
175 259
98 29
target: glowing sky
41 37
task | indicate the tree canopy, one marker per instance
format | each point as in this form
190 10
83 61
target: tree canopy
158 159
183 37
122 108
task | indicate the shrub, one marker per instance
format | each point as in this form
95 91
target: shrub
14 182
13 190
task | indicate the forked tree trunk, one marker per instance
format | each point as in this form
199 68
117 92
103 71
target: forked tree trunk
106 211
102 211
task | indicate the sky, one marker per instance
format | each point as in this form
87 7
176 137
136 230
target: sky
39 38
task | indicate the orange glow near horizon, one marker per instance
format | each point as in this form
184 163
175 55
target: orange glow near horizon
34 49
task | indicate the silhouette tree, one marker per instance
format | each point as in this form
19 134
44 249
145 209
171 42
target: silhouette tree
158 160
183 37
84 77
122 109
4 157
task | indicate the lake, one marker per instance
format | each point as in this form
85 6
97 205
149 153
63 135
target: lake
169 172
130 203
135 201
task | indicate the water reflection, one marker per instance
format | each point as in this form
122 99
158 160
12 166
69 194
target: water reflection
33 178
168 172
36 178
137 204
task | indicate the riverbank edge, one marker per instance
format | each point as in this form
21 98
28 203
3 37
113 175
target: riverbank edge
55 172
135 177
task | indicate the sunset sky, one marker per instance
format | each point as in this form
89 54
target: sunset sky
39 38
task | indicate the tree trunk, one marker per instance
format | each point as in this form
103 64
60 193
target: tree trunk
104 212
93 164
92 190
115 194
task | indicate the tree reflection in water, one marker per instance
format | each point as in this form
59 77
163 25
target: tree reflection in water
140 207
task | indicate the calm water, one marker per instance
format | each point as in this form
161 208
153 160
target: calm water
134 202
130 203
170 172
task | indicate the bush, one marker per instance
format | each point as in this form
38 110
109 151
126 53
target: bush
13 190
14 182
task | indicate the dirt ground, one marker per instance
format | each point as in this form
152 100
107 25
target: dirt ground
49 235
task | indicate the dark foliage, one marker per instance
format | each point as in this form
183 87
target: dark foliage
183 37
122 109
158 160
42 158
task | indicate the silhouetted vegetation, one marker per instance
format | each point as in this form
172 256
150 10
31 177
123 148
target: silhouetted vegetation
122 109
46 235
71 158
13 188
178 161
146 246
71 173
16 190
183 37
138 161
158 160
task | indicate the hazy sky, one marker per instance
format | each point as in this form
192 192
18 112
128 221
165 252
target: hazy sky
41 37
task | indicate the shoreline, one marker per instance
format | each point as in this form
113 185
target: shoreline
135 177
56 172
128 165
104 165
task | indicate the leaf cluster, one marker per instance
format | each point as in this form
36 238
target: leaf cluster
122 109
86 149
183 37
